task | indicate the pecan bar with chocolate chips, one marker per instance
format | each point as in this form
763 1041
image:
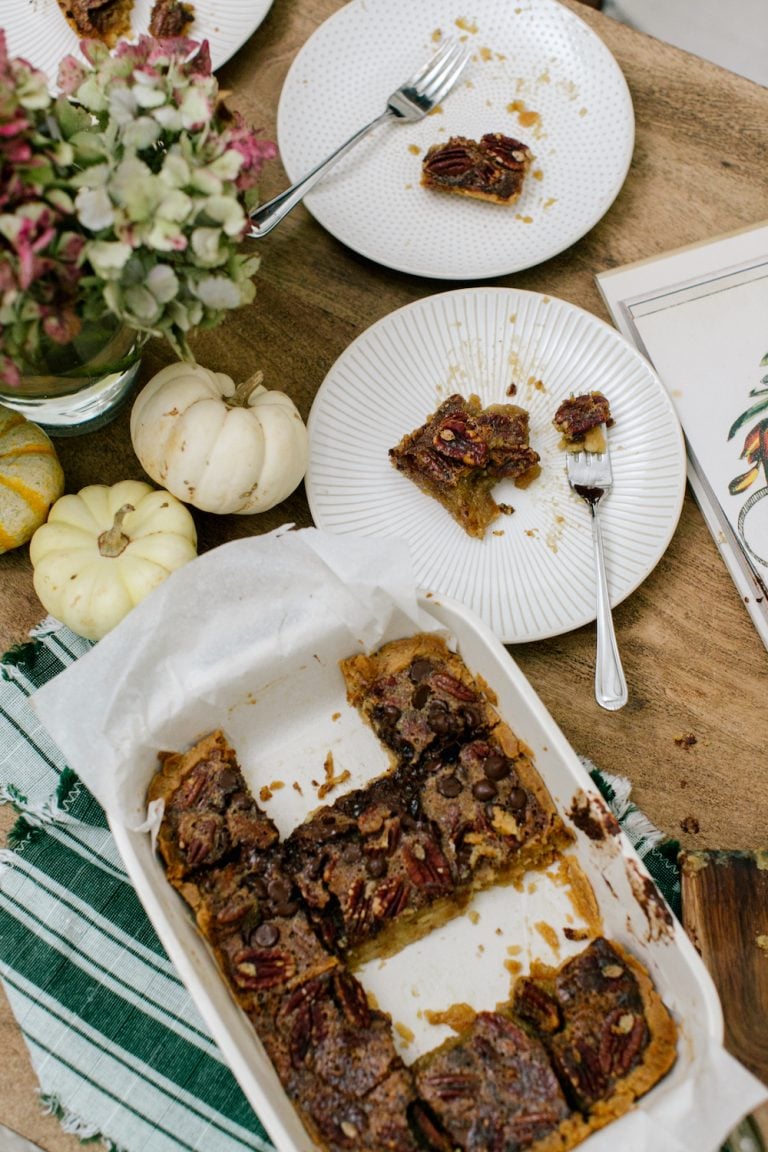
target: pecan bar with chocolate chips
461 808
492 168
462 451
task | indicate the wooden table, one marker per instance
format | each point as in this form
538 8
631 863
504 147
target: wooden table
693 660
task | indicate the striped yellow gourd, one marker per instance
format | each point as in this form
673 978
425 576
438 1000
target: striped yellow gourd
31 478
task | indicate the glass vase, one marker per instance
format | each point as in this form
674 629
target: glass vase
81 386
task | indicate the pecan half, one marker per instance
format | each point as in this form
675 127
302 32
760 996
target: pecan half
351 998
201 837
452 159
458 440
450 1085
426 866
536 1006
259 969
390 898
505 150
447 683
623 1038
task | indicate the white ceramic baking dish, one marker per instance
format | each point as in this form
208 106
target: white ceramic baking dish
283 733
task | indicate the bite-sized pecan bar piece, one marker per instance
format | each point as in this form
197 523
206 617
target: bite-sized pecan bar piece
492 168
369 867
419 697
495 817
609 1035
335 1056
170 18
377 1122
326 1027
105 20
491 1087
262 938
462 451
579 421
209 812
222 853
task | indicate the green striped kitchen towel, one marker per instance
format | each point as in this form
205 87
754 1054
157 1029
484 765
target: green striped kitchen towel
118 1048
117 1045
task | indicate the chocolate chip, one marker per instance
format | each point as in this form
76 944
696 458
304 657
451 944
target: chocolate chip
471 715
419 670
420 696
517 799
449 786
496 767
351 852
375 865
484 790
279 889
257 886
439 718
266 935
451 752
389 713
288 909
228 780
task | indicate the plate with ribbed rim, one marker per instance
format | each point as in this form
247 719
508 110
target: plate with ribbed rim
532 575
537 73
37 31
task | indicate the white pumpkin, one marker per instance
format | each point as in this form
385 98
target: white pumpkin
102 551
219 446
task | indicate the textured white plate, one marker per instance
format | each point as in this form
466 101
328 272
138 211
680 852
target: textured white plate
532 576
537 73
37 31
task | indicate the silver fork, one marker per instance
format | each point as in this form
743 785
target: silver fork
590 476
410 102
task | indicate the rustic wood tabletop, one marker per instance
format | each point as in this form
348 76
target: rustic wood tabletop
694 662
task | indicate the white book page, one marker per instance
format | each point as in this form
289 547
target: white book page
700 315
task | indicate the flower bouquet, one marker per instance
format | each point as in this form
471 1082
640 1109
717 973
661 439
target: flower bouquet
124 198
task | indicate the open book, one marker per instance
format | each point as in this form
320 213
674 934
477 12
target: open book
700 315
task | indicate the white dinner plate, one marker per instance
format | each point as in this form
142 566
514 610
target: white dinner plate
532 576
37 31
537 73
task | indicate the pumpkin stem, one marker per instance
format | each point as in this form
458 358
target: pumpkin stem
243 391
114 541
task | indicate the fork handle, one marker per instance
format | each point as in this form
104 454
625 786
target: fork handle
610 684
267 216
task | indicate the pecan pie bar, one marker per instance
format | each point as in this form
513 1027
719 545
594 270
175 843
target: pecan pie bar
460 454
461 808
327 1044
492 168
609 1035
461 805
579 421
491 1087
170 18
105 20
573 1050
